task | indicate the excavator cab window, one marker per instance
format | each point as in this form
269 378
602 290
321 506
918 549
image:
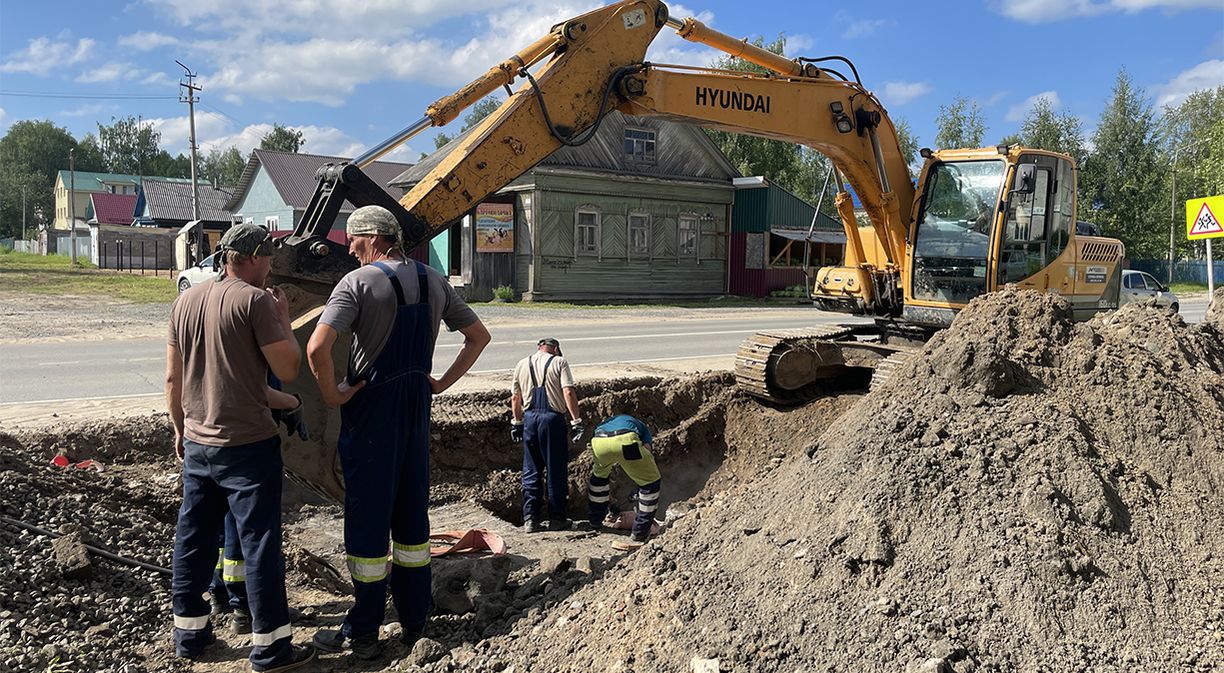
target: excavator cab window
952 241
1038 225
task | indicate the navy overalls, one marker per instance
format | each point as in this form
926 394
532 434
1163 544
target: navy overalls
384 452
545 448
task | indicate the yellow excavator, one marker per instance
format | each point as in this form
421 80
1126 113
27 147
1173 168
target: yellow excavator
976 220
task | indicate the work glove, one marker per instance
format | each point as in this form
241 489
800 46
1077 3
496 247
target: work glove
516 432
293 421
576 430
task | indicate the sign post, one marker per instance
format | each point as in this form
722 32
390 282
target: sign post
1203 221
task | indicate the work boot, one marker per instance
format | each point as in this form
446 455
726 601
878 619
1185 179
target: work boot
626 545
533 526
411 634
363 647
219 605
299 656
240 622
559 524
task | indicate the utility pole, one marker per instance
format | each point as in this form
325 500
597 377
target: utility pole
23 212
72 205
1173 206
187 95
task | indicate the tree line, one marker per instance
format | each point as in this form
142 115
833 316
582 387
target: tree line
33 152
1125 166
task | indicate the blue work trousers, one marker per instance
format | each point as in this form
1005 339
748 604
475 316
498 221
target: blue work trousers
545 462
246 481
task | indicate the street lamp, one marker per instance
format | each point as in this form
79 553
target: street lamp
1173 205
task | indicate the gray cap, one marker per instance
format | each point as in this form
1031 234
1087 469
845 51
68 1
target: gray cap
373 220
549 341
248 239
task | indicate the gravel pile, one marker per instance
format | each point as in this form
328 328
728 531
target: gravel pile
1029 494
105 620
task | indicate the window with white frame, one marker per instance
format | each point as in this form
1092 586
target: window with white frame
640 145
272 223
639 235
687 244
586 231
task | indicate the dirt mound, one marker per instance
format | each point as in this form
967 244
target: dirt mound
1028 494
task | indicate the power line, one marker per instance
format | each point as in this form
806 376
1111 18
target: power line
49 94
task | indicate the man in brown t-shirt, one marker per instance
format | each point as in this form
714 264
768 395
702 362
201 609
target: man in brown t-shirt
224 337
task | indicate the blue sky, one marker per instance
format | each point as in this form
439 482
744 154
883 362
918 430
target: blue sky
350 77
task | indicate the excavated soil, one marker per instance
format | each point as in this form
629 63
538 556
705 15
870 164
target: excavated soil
1026 495
708 438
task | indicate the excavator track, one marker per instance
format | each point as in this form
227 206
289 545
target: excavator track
888 366
762 366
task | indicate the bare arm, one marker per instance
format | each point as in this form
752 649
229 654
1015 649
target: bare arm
174 395
280 400
516 407
284 357
571 403
475 338
319 355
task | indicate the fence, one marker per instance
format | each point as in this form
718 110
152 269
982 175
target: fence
34 247
133 255
1188 271
63 247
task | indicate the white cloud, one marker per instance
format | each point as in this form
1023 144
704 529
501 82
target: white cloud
996 98
214 132
43 55
92 109
1042 11
157 79
3 118
328 68
900 93
1019 112
147 41
1206 75
108 72
865 27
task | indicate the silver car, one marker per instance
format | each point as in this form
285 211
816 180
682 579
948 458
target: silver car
194 275
1140 286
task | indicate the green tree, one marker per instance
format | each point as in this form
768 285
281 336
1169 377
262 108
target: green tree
909 145
222 167
164 165
439 141
777 160
483 108
1120 185
36 150
1193 134
960 124
1044 129
282 139
1011 139
88 155
127 145
13 180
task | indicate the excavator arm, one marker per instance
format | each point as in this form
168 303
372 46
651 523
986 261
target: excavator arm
568 81
591 64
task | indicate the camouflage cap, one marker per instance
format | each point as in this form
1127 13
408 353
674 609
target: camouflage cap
248 239
373 220
549 341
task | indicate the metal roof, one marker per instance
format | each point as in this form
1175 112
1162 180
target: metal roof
166 200
681 151
112 208
293 175
817 236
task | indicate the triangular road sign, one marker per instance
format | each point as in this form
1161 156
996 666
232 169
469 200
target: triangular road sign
1203 218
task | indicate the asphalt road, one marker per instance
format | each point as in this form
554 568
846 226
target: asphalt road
91 370
99 369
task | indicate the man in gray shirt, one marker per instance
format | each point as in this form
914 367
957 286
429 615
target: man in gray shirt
393 307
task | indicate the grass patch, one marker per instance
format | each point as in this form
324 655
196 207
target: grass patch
1188 288
56 275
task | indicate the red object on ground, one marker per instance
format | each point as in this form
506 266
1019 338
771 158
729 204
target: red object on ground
473 540
60 461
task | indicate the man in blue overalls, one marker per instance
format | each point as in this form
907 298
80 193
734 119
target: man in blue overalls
393 307
539 425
